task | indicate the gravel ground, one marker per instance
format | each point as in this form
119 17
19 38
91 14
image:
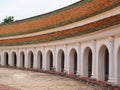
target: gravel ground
27 80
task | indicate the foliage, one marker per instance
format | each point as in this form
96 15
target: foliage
8 19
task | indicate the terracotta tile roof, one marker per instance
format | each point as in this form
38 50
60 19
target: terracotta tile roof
73 13
88 28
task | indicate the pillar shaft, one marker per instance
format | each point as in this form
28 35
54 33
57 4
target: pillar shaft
93 59
111 61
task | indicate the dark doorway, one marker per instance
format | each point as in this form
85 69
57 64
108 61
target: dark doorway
6 58
39 58
14 59
62 61
75 62
31 59
106 64
89 63
51 61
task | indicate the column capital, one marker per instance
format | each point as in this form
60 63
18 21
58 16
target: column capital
79 43
34 47
17 49
66 44
54 46
25 48
93 41
111 39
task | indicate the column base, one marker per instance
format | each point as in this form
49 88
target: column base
111 81
93 77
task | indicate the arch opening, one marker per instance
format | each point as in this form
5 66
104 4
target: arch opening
104 63
90 63
87 62
30 59
22 59
14 59
39 60
73 61
50 60
61 61
6 59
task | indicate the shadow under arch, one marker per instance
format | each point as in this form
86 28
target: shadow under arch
103 63
6 58
39 60
22 59
60 60
87 62
73 61
49 57
30 59
14 59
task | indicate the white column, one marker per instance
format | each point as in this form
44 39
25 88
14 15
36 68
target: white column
10 59
57 62
26 58
83 67
67 60
94 68
35 66
2 58
69 66
18 58
46 66
54 58
78 59
111 61
43 58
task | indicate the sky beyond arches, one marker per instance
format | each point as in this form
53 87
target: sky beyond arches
22 9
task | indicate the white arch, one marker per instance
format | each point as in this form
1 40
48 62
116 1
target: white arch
22 59
49 61
60 60
73 61
30 59
13 59
87 59
39 60
101 62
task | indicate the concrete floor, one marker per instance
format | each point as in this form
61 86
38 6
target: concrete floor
27 80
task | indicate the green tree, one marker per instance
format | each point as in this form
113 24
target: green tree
8 19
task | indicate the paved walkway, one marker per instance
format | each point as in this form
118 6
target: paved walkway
27 80
5 87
